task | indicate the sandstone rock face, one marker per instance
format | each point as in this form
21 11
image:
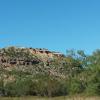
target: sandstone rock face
26 56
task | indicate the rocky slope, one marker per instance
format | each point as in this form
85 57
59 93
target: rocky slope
31 61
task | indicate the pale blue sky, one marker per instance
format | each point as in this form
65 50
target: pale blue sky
54 24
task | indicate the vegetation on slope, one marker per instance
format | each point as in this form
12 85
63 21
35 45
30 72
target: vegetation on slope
75 73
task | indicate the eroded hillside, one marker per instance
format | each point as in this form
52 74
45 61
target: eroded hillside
25 56
29 71
32 61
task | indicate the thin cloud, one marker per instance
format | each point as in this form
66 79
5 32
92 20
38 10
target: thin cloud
3 32
5 40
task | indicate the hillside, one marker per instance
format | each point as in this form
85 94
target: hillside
26 56
30 71
38 60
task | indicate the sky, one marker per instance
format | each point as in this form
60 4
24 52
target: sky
57 25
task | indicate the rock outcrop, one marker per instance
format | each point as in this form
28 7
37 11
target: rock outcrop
26 56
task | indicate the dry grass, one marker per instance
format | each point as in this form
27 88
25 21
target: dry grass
55 98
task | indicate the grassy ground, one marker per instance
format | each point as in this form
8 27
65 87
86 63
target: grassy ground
56 98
